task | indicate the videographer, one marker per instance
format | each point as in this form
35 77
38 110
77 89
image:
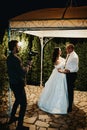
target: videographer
17 73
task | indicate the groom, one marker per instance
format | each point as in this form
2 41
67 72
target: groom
70 69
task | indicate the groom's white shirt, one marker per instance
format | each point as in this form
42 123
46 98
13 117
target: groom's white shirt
72 62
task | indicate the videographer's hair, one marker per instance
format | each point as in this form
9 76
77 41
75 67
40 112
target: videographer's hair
12 44
55 54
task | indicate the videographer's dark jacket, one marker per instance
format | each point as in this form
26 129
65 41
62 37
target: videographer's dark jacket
16 71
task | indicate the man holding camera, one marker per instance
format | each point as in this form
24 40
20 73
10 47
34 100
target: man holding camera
17 74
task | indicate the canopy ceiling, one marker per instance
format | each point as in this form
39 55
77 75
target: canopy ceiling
53 22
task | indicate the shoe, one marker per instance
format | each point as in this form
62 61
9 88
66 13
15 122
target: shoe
12 120
22 128
69 111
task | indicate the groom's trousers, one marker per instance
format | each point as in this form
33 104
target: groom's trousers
71 77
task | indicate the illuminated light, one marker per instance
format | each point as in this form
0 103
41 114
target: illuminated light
19 44
81 33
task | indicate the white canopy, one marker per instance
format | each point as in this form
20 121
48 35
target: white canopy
53 22
59 33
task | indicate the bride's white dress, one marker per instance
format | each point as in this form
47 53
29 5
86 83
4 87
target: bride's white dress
54 96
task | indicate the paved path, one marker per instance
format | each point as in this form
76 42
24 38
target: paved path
36 119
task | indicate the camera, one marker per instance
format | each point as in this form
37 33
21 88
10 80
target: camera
30 55
33 53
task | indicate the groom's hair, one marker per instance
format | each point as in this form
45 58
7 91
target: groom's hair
70 45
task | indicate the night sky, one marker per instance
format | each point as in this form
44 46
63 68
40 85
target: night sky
12 8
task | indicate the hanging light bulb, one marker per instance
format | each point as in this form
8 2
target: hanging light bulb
19 44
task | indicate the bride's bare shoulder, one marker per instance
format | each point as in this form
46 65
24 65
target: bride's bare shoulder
61 59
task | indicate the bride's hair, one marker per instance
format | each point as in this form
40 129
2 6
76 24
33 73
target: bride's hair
56 53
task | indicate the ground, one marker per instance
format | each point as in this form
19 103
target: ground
37 119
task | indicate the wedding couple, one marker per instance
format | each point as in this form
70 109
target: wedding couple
58 93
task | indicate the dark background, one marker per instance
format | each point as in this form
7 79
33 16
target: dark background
12 8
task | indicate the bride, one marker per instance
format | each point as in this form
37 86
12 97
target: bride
54 96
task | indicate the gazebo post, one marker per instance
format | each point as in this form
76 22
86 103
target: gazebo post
9 90
41 41
42 47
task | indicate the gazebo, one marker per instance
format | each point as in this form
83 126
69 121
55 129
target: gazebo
68 22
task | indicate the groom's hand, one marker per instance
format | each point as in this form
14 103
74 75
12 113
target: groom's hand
66 71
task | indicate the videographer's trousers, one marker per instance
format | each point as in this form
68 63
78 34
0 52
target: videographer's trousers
20 99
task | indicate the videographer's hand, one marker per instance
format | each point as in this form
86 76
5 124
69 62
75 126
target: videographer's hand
28 68
29 63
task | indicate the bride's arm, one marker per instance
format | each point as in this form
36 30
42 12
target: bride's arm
63 71
60 67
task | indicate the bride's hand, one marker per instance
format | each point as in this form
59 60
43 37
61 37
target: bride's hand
60 70
63 71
